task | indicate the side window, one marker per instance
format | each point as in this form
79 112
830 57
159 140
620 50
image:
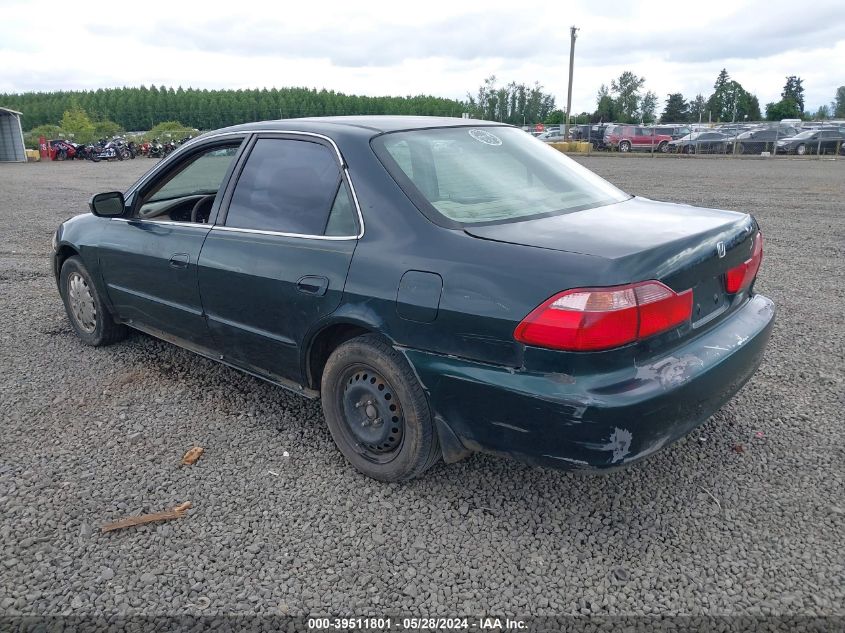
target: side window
287 186
193 182
342 221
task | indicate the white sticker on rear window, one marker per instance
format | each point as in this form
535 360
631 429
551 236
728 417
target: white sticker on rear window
483 136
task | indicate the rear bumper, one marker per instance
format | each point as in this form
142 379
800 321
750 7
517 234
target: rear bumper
596 421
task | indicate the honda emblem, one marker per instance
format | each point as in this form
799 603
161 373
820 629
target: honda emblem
720 249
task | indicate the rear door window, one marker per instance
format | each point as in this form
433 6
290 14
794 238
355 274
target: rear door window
291 186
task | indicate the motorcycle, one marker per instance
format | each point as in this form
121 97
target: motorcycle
114 149
156 149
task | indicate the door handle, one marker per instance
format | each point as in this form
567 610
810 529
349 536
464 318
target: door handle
313 285
180 260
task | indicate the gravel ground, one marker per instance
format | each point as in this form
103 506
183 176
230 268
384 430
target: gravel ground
88 436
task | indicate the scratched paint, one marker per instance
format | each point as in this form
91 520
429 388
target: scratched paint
620 444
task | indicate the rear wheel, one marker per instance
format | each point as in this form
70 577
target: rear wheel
87 313
377 412
663 147
624 146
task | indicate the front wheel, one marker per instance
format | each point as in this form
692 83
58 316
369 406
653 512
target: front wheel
689 149
88 315
377 412
801 149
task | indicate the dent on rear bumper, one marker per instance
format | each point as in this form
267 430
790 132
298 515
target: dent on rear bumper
596 421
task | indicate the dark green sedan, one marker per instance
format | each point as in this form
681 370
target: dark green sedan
444 285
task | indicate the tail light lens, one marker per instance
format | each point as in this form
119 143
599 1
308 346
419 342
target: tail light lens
740 277
589 319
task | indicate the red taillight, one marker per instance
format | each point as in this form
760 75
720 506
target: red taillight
740 277
588 319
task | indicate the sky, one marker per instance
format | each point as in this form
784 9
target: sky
433 47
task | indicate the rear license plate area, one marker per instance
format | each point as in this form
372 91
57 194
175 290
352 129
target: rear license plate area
708 299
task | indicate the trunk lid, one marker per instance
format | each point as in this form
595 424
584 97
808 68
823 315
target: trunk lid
679 245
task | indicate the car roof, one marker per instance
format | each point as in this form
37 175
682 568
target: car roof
375 124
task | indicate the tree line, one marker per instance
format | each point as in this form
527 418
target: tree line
142 108
624 101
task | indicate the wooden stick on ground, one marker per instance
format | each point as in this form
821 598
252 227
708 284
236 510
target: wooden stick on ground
176 513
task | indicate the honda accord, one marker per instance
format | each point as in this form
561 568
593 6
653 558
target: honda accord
443 285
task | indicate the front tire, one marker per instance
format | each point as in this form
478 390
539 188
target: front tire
801 149
377 411
88 315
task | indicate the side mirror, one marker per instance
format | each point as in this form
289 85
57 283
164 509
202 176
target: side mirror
107 205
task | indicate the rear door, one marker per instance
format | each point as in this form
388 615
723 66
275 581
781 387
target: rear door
276 261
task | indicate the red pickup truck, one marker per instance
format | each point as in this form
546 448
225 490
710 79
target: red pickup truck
630 137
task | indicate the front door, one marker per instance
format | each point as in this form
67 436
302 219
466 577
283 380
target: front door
149 259
277 260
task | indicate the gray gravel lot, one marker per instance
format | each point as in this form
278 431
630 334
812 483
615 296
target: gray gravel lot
88 436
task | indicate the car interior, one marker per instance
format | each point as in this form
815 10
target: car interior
188 193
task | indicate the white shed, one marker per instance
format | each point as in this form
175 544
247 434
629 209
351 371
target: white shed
11 136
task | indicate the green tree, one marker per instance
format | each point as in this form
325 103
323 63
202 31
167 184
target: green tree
513 103
48 131
717 104
648 107
171 130
838 105
731 102
605 106
555 117
784 109
106 129
676 109
626 93
698 109
795 91
822 114
77 126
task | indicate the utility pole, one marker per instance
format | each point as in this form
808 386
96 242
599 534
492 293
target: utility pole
573 33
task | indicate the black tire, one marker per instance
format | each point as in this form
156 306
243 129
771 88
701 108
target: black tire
625 146
801 149
663 147
365 383
689 149
95 329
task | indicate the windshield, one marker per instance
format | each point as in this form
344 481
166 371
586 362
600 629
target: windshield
489 174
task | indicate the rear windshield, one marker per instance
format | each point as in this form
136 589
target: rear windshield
489 174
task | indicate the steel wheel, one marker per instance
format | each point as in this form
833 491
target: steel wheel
624 146
377 411
372 414
81 301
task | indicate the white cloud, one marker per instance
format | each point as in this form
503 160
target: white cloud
436 47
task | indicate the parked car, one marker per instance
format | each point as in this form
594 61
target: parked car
444 285
626 138
675 131
824 141
552 136
592 133
761 140
703 143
